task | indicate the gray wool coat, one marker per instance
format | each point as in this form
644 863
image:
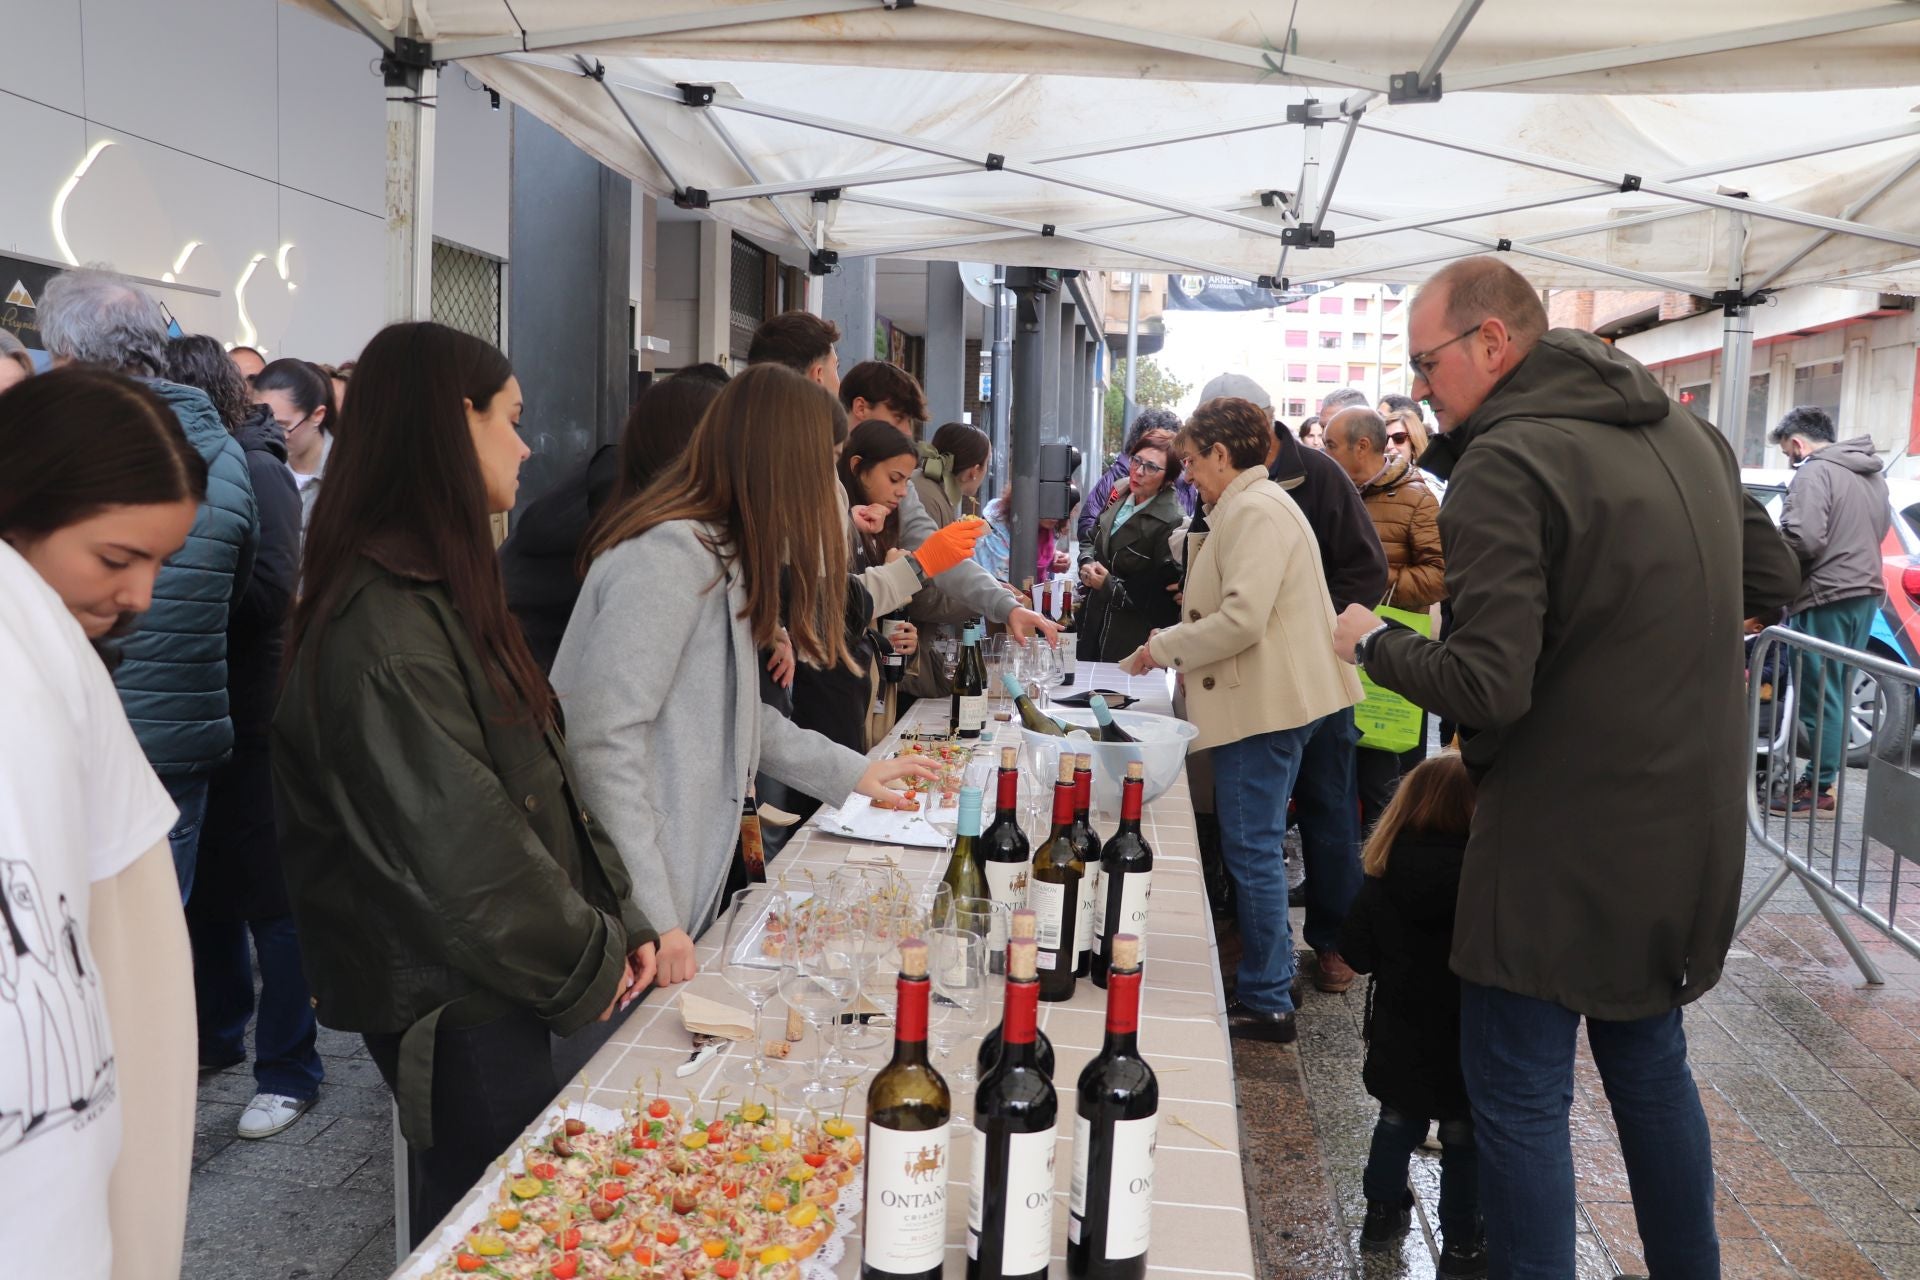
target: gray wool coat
658 680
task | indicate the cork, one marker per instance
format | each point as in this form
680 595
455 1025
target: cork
1020 959
1009 757
1136 772
1026 924
778 1048
1083 763
1126 951
913 958
1066 766
796 1025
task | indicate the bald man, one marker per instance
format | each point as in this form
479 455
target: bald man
1601 556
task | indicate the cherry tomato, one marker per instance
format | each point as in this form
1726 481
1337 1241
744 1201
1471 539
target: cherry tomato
544 1172
659 1109
815 1158
669 1234
717 1131
566 1269
570 1238
576 1127
684 1202
623 1167
643 1257
726 1268
647 1144
468 1262
602 1210
730 1189
613 1190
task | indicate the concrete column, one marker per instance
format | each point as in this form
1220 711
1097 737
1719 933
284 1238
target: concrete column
1068 364
713 322
1076 426
849 304
645 288
570 242
1093 421
1033 355
1049 416
946 344
1001 383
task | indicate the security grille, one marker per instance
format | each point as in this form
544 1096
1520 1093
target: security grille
747 299
466 291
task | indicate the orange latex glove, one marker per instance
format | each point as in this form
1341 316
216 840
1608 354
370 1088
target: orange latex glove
948 546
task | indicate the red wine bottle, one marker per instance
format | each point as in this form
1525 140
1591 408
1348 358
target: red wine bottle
1126 878
909 1127
1021 931
1016 1118
1086 847
1116 1111
1005 857
1053 891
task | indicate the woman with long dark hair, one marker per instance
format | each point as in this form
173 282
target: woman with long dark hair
98 486
848 702
301 399
658 671
238 889
459 906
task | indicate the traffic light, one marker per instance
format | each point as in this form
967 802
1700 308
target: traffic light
1058 465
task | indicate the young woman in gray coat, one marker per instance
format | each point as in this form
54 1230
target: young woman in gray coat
658 672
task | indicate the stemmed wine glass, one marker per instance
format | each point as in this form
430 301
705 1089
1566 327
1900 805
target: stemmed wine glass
959 970
869 895
819 979
751 964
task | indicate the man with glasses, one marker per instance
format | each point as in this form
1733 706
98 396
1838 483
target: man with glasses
1601 556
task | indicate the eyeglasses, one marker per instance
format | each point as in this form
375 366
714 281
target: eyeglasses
1422 362
1397 437
1151 468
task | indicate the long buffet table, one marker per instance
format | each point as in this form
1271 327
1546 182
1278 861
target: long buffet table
1200 1225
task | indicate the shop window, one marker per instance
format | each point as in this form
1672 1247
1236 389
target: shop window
1753 440
1696 396
1818 386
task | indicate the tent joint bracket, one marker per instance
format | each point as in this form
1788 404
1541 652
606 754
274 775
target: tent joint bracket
1631 182
1307 236
1046 229
597 72
1313 112
691 198
408 58
822 262
825 195
1406 86
1278 283
995 161
1503 245
1733 301
696 95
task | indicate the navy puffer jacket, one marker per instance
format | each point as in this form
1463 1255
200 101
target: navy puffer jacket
172 675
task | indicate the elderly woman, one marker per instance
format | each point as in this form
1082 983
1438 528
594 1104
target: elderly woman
1255 606
1130 566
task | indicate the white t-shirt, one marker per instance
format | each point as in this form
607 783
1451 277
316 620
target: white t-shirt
78 804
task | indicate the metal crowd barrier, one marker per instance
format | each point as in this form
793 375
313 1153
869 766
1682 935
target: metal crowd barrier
1854 856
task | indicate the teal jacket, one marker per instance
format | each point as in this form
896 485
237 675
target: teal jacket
172 674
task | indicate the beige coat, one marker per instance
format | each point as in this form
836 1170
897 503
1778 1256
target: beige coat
1255 644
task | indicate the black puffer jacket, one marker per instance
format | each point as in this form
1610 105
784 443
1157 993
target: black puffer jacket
1400 930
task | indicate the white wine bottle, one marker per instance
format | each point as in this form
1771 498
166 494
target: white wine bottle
969 712
909 1129
1030 715
1103 716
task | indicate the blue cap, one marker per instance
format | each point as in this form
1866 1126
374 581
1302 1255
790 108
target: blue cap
969 811
1012 683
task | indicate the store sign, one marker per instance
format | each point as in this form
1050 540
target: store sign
1227 293
20 285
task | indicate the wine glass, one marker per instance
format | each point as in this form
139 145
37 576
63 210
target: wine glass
867 894
959 970
998 652
751 971
820 976
932 906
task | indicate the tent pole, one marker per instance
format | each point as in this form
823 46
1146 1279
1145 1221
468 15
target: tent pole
1033 305
409 200
356 13
1002 379
1449 37
707 18
1736 345
1129 407
1721 42
746 166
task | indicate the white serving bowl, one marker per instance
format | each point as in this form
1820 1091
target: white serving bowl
1162 748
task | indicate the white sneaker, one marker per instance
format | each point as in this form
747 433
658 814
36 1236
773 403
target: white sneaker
271 1113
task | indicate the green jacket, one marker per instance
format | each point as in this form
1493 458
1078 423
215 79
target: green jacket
1600 557
437 861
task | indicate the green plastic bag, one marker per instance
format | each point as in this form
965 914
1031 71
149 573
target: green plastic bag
1387 721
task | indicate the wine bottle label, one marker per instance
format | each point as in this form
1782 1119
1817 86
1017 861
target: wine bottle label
1134 888
1028 1234
973 712
1083 915
1077 1189
1130 1192
906 1227
1050 906
1008 882
1069 660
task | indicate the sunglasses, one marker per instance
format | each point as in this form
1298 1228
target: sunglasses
1397 437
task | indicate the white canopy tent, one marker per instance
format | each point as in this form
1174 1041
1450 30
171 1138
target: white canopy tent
1720 148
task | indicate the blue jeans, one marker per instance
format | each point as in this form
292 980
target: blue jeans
1251 780
1394 1138
284 1060
1326 797
189 792
1517 1055
1823 682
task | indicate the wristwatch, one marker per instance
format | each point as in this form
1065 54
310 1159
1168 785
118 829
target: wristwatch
1363 651
919 570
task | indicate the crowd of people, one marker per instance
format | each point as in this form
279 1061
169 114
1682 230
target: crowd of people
286 708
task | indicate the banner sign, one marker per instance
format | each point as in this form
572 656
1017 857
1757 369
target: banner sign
20 285
1227 293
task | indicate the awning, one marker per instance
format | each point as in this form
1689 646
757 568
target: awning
1687 147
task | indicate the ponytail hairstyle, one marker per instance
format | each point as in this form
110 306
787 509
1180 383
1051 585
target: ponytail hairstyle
1435 798
308 388
870 443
